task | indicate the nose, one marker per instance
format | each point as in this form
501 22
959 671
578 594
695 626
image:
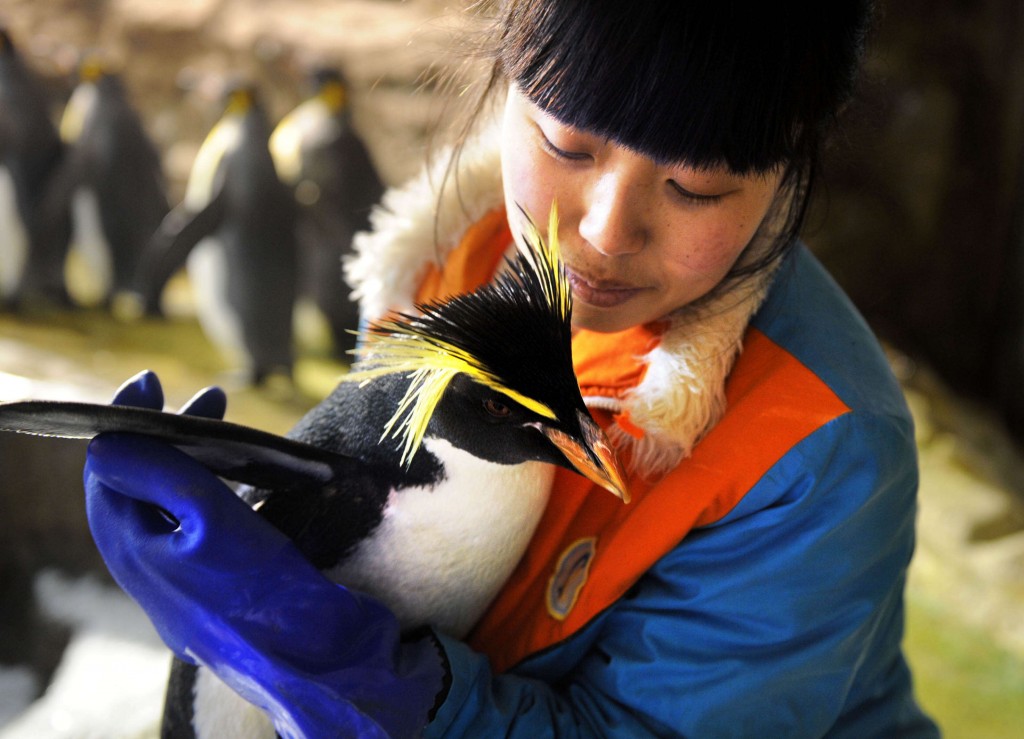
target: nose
612 220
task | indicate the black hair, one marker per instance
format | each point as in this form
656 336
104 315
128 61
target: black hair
752 87
705 83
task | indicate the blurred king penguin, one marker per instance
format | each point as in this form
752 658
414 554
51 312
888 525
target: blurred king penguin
236 228
30 150
111 182
319 154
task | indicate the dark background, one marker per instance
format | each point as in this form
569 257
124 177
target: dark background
920 212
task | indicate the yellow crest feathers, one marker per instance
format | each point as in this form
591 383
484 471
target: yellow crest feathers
475 334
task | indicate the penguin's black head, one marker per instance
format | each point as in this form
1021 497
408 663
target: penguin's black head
7 47
93 67
490 425
492 370
239 97
330 85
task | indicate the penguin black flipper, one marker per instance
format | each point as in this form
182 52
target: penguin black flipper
181 229
56 197
229 450
51 232
179 701
52 223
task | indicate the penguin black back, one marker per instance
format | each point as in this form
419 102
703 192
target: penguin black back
31 144
31 261
328 524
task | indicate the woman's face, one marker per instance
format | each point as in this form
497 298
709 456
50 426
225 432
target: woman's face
639 239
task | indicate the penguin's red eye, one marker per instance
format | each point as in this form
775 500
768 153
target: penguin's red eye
496 409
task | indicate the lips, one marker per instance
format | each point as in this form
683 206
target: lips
600 293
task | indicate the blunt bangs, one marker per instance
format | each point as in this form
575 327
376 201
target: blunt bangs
703 83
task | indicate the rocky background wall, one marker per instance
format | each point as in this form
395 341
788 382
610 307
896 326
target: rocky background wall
919 219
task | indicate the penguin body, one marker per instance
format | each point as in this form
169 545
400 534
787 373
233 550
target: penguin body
319 154
236 230
111 182
417 544
434 545
31 267
487 403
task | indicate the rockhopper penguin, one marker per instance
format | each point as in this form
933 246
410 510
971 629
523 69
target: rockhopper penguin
445 433
236 227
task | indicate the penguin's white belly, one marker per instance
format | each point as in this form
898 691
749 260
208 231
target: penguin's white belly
221 713
441 554
439 557
13 237
90 247
208 273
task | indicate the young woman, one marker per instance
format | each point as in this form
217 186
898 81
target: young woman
754 586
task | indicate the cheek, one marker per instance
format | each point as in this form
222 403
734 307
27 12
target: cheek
711 245
711 251
516 166
525 186
526 173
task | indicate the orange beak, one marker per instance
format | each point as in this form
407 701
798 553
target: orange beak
593 456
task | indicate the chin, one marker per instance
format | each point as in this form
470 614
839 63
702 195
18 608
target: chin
602 322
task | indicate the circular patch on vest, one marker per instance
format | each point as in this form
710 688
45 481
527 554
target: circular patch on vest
569 577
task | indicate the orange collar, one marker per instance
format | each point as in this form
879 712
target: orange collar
607 365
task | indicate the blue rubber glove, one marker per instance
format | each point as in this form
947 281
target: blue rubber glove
227 590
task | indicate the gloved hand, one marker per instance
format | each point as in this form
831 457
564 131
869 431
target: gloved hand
227 590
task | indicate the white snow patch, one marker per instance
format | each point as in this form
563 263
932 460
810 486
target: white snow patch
18 686
111 679
86 604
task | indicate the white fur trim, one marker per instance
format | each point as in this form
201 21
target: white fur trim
389 262
682 394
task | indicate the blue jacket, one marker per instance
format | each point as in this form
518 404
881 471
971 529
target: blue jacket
776 609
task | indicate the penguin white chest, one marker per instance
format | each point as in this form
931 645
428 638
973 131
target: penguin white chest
90 247
442 553
221 713
439 557
208 272
13 237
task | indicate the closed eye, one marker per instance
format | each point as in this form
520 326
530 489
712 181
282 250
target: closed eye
573 156
694 197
